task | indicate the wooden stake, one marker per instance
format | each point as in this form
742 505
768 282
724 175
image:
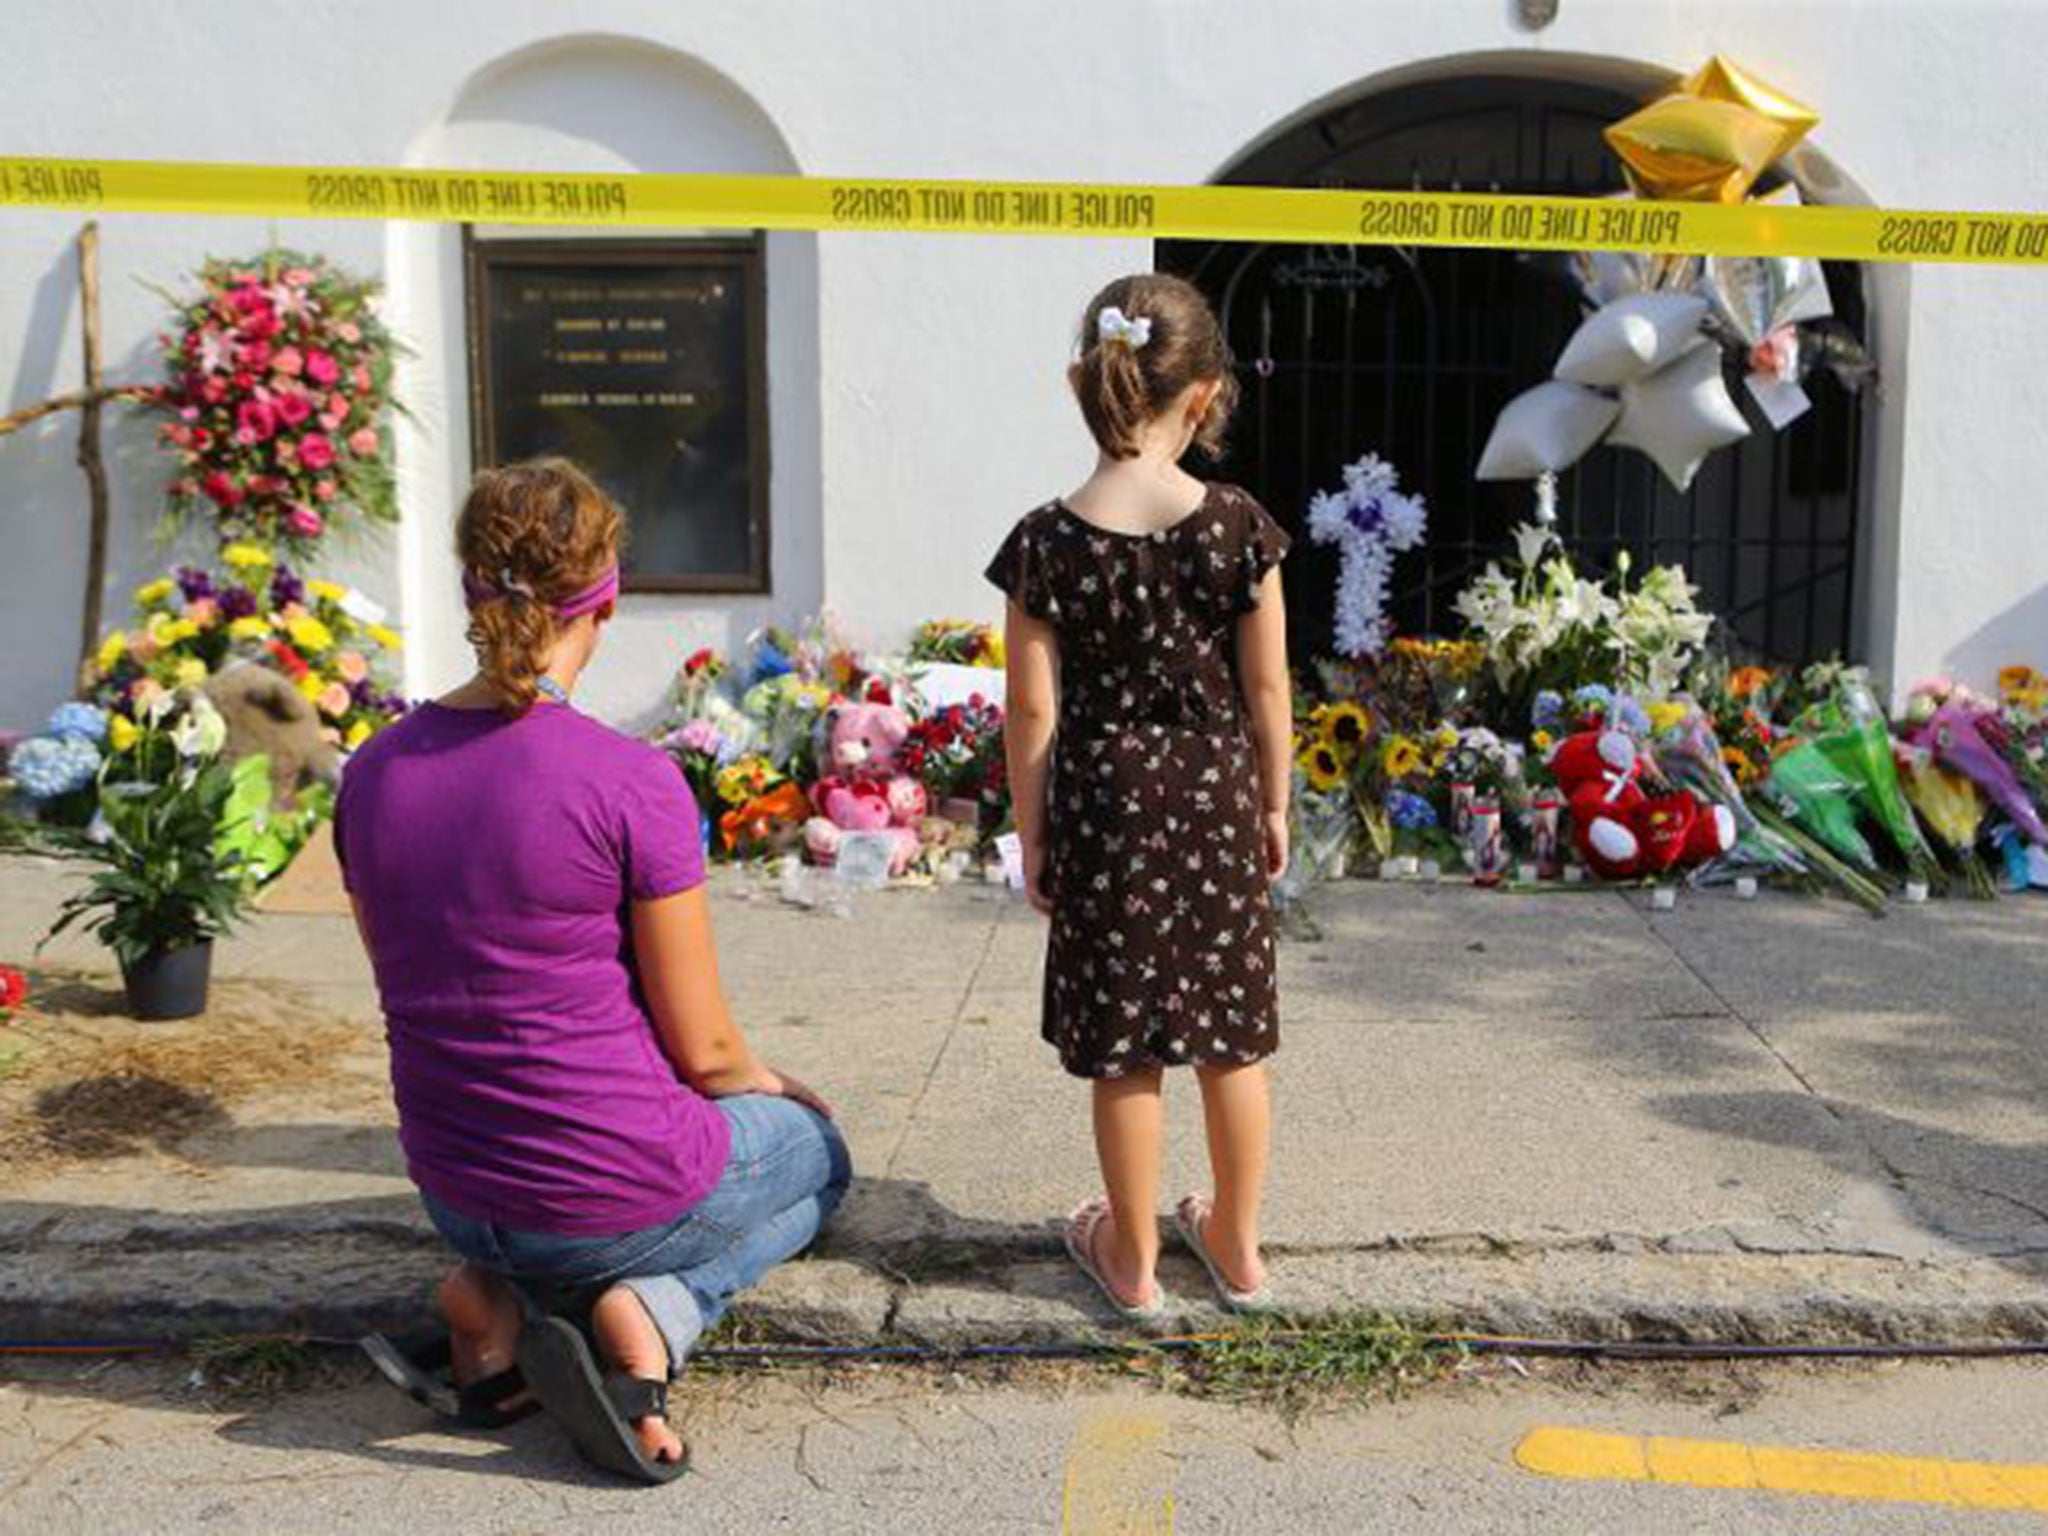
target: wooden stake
89 458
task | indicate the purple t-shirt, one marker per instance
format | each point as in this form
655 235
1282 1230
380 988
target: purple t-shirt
495 861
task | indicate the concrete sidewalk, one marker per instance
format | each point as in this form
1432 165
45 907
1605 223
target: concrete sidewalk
1558 1114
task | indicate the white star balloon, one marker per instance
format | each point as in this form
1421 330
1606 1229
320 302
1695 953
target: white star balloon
1631 337
1544 430
1680 414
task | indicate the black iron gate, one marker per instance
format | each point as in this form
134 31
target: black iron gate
1410 353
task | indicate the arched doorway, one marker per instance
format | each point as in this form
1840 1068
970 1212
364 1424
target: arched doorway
1410 353
598 103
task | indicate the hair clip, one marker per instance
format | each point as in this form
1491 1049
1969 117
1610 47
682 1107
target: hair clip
509 583
1113 327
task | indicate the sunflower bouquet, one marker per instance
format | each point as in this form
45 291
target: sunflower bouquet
1336 758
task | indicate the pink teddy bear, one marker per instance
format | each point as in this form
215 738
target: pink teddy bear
862 791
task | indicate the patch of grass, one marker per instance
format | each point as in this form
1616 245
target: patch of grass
257 1365
1289 1369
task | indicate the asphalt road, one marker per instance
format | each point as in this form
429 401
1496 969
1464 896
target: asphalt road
136 1447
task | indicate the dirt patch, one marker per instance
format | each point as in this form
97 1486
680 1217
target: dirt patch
81 1082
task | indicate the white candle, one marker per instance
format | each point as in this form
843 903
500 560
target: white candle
1664 898
1745 887
1526 873
1574 874
1916 891
1429 869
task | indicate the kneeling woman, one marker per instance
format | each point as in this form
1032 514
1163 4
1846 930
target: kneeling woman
580 1114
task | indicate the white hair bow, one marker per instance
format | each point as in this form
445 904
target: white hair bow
1113 325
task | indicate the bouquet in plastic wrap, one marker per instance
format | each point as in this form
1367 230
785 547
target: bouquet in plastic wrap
1688 752
1839 775
1856 736
1964 734
1811 787
1952 808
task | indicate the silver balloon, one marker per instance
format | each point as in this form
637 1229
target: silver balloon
1755 295
1604 276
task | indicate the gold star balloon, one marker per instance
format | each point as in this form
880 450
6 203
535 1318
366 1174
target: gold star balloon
1722 79
1689 150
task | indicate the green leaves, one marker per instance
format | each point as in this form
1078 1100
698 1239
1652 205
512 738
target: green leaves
166 878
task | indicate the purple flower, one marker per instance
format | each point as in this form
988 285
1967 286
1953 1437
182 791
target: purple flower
285 588
363 694
237 603
194 583
1366 516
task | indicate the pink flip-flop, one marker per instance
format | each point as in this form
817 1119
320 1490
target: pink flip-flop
1083 1228
1188 1217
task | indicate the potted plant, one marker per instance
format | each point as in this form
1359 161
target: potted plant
168 880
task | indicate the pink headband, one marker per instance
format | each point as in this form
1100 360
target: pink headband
476 591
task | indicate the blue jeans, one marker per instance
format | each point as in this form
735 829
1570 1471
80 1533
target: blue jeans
786 1172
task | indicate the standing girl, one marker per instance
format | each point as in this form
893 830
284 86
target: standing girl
1148 730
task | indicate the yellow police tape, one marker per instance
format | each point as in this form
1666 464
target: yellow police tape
1297 216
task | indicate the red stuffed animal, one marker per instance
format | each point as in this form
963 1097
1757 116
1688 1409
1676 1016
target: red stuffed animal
1622 831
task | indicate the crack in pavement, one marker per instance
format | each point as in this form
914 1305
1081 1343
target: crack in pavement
1891 1172
1900 1178
988 945
2035 1211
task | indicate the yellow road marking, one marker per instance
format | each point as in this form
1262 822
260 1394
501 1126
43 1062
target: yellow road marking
1555 1451
1119 1477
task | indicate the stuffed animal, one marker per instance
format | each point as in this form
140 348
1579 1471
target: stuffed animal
862 790
265 713
1622 830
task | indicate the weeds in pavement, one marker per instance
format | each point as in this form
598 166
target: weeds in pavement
258 1365
1268 1363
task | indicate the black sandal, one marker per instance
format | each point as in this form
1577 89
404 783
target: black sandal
419 1364
596 1409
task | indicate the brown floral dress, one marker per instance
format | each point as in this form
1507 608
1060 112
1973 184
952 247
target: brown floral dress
1162 934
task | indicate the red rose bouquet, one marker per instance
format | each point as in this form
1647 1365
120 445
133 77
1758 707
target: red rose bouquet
278 392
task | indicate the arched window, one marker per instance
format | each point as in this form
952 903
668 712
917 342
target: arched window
1411 353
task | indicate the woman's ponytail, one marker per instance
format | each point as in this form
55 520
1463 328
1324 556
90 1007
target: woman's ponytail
529 536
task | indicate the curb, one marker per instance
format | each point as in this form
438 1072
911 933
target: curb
181 1279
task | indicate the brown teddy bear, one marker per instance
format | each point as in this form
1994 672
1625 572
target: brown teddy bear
266 713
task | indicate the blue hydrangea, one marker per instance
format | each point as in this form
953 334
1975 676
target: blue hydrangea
1630 716
1593 699
45 767
1409 811
88 722
1547 713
